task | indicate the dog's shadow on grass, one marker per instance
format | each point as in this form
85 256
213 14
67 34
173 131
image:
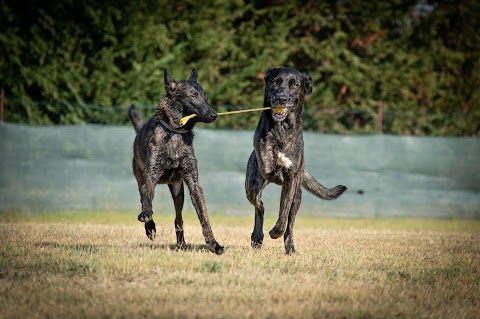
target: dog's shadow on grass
173 247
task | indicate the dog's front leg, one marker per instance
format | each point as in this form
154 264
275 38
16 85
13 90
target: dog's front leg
198 201
288 236
266 163
146 197
254 184
289 187
146 185
146 216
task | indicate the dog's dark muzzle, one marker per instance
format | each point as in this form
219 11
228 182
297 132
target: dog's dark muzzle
205 113
212 116
194 118
207 118
280 107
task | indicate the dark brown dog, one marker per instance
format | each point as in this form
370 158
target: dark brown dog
278 154
163 154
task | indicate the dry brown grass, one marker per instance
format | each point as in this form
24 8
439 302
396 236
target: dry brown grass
346 269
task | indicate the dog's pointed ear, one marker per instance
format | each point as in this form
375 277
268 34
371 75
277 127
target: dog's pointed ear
194 76
170 84
307 84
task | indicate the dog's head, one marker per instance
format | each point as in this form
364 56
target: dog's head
285 90
185 98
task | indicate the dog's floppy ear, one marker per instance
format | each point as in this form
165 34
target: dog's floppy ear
267 75
194 76
308 85
170 84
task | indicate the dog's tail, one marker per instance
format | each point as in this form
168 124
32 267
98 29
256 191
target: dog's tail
317 189
135 117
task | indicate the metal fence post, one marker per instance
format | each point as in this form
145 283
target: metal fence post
379 124
2 103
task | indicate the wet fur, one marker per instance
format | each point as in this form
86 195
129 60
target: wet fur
163 154
278 155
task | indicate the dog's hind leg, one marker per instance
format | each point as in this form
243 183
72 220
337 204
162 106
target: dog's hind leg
177 192
254 184
198 201
288 236
289 189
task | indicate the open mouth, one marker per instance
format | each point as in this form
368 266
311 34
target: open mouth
279 113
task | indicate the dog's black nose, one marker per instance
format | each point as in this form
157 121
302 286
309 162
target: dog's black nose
282 99
213 116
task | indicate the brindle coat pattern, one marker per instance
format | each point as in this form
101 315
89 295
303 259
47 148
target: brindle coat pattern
278 155
163 154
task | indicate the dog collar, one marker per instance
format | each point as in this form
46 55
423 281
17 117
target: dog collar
172 129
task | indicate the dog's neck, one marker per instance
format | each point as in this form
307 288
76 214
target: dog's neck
288 131
180 131
292 120
162 115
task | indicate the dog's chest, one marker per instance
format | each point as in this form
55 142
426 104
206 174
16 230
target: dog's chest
283 160
174 154
172 160
282 150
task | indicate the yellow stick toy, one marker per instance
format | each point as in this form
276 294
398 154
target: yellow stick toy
184 119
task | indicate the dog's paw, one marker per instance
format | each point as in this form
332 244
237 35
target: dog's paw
217 249
289 247
290 250
257 245
181 240
257 241
276 233
150 229
145 216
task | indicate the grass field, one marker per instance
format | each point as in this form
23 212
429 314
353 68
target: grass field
86 265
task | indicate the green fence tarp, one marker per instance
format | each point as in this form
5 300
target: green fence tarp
88 167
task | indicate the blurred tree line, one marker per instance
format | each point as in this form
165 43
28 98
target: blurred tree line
409 65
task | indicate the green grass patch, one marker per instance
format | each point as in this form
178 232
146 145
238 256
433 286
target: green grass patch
210 266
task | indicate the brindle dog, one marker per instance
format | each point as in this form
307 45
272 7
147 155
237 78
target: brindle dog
278 154
163 154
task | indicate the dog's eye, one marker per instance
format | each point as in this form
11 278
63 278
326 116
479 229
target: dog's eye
195 95
277 81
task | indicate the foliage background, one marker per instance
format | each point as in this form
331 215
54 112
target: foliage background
85 61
